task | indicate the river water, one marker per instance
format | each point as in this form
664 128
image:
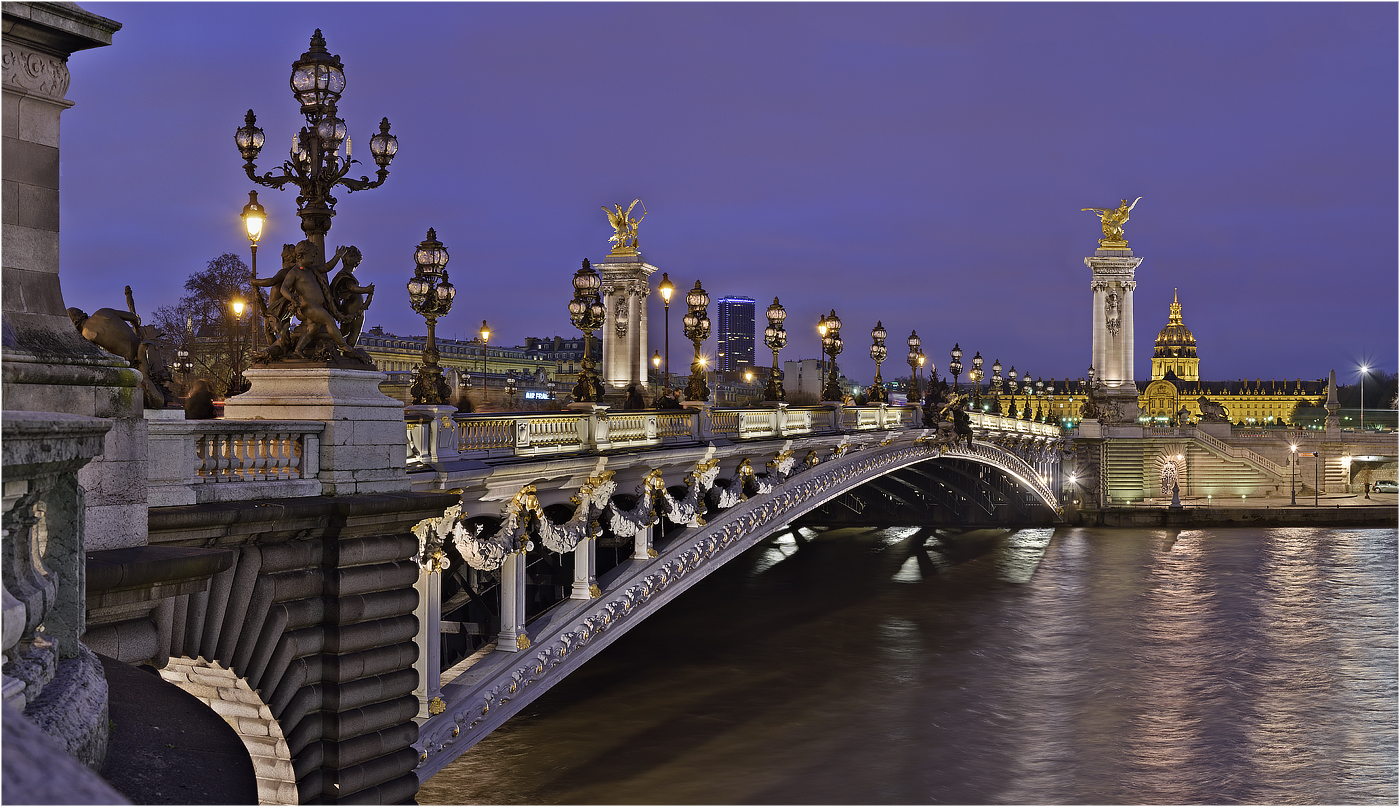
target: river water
906 665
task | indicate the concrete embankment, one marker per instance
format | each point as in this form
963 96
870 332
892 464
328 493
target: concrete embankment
1336 515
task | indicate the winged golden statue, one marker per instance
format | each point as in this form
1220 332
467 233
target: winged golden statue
1113 219
624 237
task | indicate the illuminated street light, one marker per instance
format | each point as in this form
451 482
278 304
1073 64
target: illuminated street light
775 337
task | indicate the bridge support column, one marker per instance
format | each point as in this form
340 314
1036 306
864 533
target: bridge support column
643 542
586 568
429 640
512 637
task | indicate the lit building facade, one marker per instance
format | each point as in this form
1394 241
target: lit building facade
734 342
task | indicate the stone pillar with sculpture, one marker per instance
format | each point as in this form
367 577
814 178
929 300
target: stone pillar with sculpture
1114 270
625 287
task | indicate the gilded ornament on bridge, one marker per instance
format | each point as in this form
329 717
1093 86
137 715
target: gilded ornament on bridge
522 642
436 706
594 591
1113 219
624 237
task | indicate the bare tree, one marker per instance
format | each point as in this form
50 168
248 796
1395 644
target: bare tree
204 322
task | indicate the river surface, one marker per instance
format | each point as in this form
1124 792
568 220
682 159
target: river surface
906 666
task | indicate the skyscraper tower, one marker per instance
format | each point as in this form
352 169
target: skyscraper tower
735 338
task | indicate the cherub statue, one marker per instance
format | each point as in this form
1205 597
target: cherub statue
350 297
306 287
1113 219
111 330
277 310
624 235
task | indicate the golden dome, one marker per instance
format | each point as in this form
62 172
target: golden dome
1176 338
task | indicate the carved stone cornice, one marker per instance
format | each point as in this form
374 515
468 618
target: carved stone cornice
34 73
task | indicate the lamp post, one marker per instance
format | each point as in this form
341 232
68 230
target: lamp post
510 390
238 343
430 295
1012 386
1293 474
996 386
666 289
485 334
586 313
1039 398
976 375
834 346
878 352
184 366
1364 370
931 369
1026 387
655 365
315 167
697 330
775 337
914 342
955 365
821 332
254 215
551 385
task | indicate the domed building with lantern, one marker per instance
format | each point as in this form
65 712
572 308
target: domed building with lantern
1176 384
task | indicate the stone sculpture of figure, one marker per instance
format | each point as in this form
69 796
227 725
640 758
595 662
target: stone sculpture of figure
624 226
277 313
1113 219
1212 412
111 330
306 287
350 297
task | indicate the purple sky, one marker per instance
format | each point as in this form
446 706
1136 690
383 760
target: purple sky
920 164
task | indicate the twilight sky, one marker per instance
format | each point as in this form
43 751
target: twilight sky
919 164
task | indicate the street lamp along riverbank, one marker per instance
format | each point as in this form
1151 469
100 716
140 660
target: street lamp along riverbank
430 295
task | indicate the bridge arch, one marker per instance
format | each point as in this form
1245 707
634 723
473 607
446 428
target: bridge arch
757 505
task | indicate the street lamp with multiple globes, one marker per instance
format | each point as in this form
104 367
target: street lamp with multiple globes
976 375
914 343
586 312
775 337
996 386
878 352
667 289
315 167
697 330
430 295
510 390
955 366
1039 397
1026 386
833 345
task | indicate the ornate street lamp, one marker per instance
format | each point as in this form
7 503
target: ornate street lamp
1012 386
914 343
656 364
931 368
430 295
510 390
821 332
485 334
315 167
834 346
551 385
1027 387
879 353
775 337
1039 397
955 364
254 216
996 387
697 330
976 375
667 289
586 313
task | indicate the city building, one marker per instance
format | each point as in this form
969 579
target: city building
734 341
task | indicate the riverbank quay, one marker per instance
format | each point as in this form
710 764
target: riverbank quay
1345 510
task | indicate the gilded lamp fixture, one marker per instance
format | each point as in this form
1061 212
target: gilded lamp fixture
775 337
586 312
697 330
879 353
833 346
430 294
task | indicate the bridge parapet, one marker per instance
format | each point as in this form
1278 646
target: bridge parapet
198 461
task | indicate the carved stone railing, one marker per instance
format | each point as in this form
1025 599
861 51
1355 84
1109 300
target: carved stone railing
1239 452
48 673
1008 425
198 461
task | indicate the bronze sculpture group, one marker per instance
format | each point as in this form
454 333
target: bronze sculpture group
331 314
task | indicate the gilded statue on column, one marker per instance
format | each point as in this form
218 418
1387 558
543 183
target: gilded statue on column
624 237
1113 219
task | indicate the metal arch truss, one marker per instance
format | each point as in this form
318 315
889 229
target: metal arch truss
1010 464
758 506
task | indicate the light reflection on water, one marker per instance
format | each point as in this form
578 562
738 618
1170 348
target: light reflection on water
902 666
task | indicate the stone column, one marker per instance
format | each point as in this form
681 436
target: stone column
429 639
625 286
512 637
585 568
643 542
1113 284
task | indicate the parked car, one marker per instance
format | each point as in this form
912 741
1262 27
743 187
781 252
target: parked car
1386 486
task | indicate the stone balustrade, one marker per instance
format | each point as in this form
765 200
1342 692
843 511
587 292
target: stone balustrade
441 434
198 461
